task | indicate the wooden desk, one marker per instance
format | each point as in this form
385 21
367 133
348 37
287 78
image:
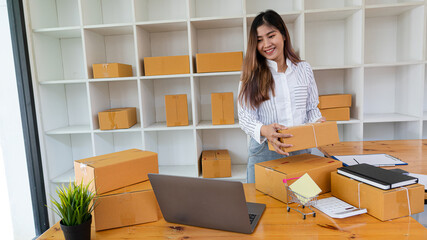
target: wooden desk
275 223
410 151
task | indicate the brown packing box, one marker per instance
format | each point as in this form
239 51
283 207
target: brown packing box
219 62
309 136
222 108
166 65
334 101
336 114
111 70
216 164
382 204
126 206
269 175
117 118
116 170
176 110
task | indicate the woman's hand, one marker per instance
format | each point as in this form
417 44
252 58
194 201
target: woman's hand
320 120
270 132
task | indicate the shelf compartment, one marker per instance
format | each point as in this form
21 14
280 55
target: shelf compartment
65 106
153 101
343 81
211 23
116 94
70 130
234 140
107 12
204 86
254 7
159 40
294 24
155 10
350 132
424 129
176 151
54 13
425 94
315 4
207 124
335 34
63 150
394 34
109 142
110 45
391 131
221 8
393 93
390 7
59 55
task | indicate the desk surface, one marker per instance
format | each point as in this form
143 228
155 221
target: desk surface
410 151
275 223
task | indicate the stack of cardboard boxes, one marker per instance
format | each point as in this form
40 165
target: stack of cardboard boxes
120 180
335 107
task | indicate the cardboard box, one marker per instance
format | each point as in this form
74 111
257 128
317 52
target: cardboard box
382 204
117 118
176 110
116 170
111 70
216 164
309 136
334 101
336 114
269 175
219 62
166 65
222 108
126 206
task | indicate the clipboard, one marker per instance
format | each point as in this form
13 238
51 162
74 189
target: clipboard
378 160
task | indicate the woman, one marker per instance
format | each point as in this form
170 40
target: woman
277 90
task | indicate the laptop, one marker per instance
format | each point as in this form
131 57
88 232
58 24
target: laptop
208 203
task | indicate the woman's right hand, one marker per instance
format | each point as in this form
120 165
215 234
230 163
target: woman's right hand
270 132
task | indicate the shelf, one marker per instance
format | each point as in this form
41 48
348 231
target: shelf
238 173
107 12
60 32
70 130
330 4
208 125
54 14
111 29
396 64
330 14
217 74
163 26
314 68
176 170
388 117
116 140
393 9
160 10
53 82
351 121
161 126
134 128
392 131
214 22
165 76
66 177
112 79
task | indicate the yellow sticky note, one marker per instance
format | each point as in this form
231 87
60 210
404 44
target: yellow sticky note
305 187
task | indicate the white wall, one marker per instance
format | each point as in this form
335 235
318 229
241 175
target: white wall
13 166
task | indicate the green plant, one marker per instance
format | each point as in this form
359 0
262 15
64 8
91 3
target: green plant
75 205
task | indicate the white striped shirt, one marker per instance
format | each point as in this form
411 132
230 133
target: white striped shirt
295 101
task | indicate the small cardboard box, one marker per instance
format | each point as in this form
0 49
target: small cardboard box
222 108
269 175
111 70
117 118
382 204
166 65
176 110
334 101
219 62
216 164
126 206
116 170
336 114
309 136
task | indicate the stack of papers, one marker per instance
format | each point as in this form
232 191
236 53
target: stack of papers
378 160
305 187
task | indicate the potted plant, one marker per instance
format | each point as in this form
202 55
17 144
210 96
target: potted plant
75 206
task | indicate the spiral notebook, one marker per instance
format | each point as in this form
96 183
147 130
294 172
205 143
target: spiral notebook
379 160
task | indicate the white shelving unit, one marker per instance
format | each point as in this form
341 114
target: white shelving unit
373 49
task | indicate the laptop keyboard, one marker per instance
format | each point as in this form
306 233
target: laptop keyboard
252 217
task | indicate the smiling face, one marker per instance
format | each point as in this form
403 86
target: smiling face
270 43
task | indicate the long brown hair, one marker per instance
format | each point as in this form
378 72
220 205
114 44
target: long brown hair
257 80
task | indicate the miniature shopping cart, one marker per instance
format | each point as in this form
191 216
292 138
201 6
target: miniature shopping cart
300 200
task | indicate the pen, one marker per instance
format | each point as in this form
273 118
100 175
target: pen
356 160
385 165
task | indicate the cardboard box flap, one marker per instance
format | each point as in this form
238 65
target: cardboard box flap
138 187
115 158
298 163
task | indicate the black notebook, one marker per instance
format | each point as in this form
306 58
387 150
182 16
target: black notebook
377 177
